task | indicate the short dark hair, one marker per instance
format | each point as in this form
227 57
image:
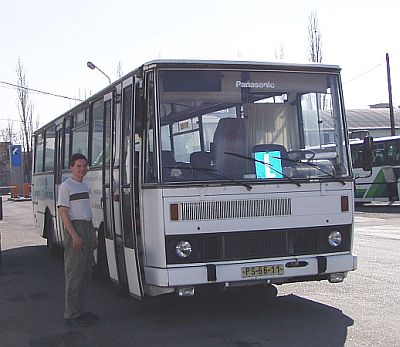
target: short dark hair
75 157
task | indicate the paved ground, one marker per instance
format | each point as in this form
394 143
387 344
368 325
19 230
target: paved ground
362 311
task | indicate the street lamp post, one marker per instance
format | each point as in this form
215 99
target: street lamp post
92 66
389 83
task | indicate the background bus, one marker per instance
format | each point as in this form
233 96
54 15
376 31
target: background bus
208 174
384 182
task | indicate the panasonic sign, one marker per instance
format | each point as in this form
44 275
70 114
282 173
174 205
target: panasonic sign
255 85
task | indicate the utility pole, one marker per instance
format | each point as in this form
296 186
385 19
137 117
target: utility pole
391 112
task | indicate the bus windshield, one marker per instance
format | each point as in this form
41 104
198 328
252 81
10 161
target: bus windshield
250 126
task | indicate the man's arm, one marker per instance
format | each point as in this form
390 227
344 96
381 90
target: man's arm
77 242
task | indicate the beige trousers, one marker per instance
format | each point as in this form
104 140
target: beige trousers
78 269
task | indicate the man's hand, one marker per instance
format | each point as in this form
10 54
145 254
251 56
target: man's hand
77 243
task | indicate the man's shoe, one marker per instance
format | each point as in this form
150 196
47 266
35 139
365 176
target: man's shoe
89 316
77 322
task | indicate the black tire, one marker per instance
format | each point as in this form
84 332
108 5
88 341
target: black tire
49 230
101 268
272 291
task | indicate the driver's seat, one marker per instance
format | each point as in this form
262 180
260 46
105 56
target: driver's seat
230 136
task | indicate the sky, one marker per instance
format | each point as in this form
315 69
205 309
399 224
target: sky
54 39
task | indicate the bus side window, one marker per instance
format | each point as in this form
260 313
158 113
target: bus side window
397 154
378 155
49 148
38 153
97 127
80 133
356 154
393 153
67 141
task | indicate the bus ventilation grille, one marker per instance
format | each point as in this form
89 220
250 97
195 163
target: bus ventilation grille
258 244
230 209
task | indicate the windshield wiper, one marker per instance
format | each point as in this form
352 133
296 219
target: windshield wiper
264 163
212 173
313 166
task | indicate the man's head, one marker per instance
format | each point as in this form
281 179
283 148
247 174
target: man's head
75 157
78 165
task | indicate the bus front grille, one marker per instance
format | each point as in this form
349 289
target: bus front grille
230 209
247 245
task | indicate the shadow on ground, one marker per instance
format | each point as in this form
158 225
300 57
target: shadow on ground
31 301
378 207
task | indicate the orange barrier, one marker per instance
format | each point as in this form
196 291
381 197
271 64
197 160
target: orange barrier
27 190
14 192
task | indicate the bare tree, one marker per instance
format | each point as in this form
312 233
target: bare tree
25 108
4 164
315 50
314 38
7 134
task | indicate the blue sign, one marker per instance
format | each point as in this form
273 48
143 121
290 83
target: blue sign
16 155
268 164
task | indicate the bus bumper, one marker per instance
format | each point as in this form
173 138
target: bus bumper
290 270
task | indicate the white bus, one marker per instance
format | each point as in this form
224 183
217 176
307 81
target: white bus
208 174
383 184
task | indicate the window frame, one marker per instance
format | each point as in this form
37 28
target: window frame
80 125
45 148
37 143
92 119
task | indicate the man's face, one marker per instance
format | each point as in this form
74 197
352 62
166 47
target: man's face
79 169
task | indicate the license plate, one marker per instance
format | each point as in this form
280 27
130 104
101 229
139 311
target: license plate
264 270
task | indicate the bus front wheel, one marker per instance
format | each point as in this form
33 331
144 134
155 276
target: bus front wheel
101 268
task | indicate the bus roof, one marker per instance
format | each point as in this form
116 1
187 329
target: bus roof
376 139
242 64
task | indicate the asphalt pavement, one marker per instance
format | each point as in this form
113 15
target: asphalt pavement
362 311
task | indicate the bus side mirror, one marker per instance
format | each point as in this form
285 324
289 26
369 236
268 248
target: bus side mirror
367 153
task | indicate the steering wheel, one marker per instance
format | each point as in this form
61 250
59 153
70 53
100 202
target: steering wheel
301 154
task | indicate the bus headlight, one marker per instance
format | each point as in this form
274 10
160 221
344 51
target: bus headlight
183 249
335 238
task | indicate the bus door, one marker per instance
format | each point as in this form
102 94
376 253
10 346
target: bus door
129 192
119 253
113 237
58 167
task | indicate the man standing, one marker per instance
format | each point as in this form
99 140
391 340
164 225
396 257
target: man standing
79 241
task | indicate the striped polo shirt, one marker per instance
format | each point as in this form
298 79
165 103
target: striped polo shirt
75 195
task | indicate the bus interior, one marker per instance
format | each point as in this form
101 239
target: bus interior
215 127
